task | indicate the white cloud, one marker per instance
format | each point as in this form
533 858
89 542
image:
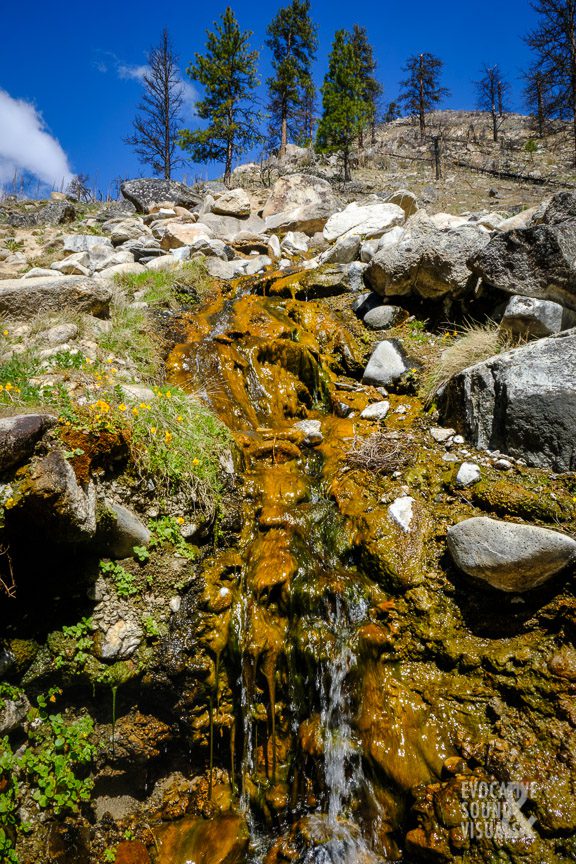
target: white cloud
27 146
136 73
126 72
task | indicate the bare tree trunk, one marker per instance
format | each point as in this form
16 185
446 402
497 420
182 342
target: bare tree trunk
494 124
422 105
228 166
284 133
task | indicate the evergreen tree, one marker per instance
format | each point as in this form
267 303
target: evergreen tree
372 87
392 112
421 90
157 123
227 71
344 108
554 43
492 90
293 42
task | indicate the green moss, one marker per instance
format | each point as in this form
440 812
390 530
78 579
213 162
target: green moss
506 498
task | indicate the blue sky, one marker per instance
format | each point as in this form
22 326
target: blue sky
76 62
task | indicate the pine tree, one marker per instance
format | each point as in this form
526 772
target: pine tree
554 43
492 90
344 109
157 123
421 91
372 87
227 71
293 42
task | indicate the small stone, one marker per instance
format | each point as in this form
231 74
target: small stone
376 411
175 603
458 439
503 465
401 512
468 474
312 430
441 435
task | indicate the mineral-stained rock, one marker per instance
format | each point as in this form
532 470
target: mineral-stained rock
521 402
511 557
19 435
221 840
21 299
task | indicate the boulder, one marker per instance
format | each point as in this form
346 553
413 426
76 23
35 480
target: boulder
533 262
401 511
19 436
294 243
165 263
382 317
427 260
85 243
406 200
56 213
122 530
77 264
521 220
333 279
344 251
228 227
528 317
312 431
560 208
56 502
510 557
468 474
365 302
21 299
122 256
300 202
387 364
143 193
364 220
233 202
225 270
116 210
521 402
175 234
118 269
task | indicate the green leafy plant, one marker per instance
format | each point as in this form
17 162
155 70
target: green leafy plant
151 627
166 531
141 554
124 581
109 855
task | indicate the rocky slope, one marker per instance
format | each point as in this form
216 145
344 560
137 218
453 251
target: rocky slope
287 543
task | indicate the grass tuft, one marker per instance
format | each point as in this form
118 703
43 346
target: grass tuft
169 289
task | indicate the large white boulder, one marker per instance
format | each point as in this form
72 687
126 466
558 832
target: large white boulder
364 220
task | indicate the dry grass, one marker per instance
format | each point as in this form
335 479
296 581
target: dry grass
477 342
381 453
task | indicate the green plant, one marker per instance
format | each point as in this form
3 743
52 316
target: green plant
151 627
14 245
132 335
141 554
124 581
109 854
172 289
73 646
418 331
8 692
166 530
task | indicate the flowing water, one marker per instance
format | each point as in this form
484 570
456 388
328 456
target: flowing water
287 651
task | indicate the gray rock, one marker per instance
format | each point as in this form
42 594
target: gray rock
58 505
294 243
13 713
211 248
144 193
365 302
312 430
274 248
405 199
441 435
371 219
344 251
560 208
120 639
332 280
533 262
383 317
122 530
468 474
58 335
526 316
85 243
77 264
19 436
521 402
225 270
386 365
116 210
428 260
129 229
376 411
510 557
56 213
23 298
228 227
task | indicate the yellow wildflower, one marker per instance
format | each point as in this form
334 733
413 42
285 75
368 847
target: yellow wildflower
10 503
88 360
8 386
179 419
135 412
52 698
180 520
153 430
168 394
109 360
122 407
1 388
5 332
195 461
167 437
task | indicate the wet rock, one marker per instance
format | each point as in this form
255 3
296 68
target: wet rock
19 436
144 193
21 299
57 502
510 557
221 840
131 852
563 663
233 202
363 220
376 411
122 530
300 202
312 431
521 402
401 512
467 475
528 317
333 279
386 365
